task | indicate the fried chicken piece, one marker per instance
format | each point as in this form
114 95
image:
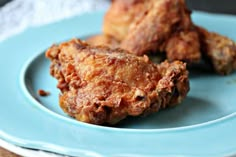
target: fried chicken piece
183 46
121 15
102 39
219 50
161 20
102 85
144 26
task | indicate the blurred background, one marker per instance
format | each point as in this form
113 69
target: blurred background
2 2
16 15
216 6
228 6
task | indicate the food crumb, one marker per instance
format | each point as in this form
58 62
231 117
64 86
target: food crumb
42 92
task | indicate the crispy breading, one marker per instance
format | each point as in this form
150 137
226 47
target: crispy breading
144 26
148 34
102 85
121 15
102 39
219 50
183 46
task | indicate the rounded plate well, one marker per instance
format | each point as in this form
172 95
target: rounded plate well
205 101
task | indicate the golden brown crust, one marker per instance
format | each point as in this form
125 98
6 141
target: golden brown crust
102 85
160 21
102 39
219 50
184 46
121 15
144 26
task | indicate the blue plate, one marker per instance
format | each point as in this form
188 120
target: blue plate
203 125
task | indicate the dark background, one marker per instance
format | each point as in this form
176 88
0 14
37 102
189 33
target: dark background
2 2
222 6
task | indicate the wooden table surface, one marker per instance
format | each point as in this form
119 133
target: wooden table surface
6 153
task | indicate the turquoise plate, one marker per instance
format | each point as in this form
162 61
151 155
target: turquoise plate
203 125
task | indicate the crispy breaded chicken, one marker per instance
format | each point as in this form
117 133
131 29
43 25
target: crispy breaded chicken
163 18
102 39
102 85
144 26
219 50
183 46
122 15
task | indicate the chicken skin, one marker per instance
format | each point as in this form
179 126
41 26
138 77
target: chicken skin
219 50
144 26
102 39
157 26
183 46
122 15
100 85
